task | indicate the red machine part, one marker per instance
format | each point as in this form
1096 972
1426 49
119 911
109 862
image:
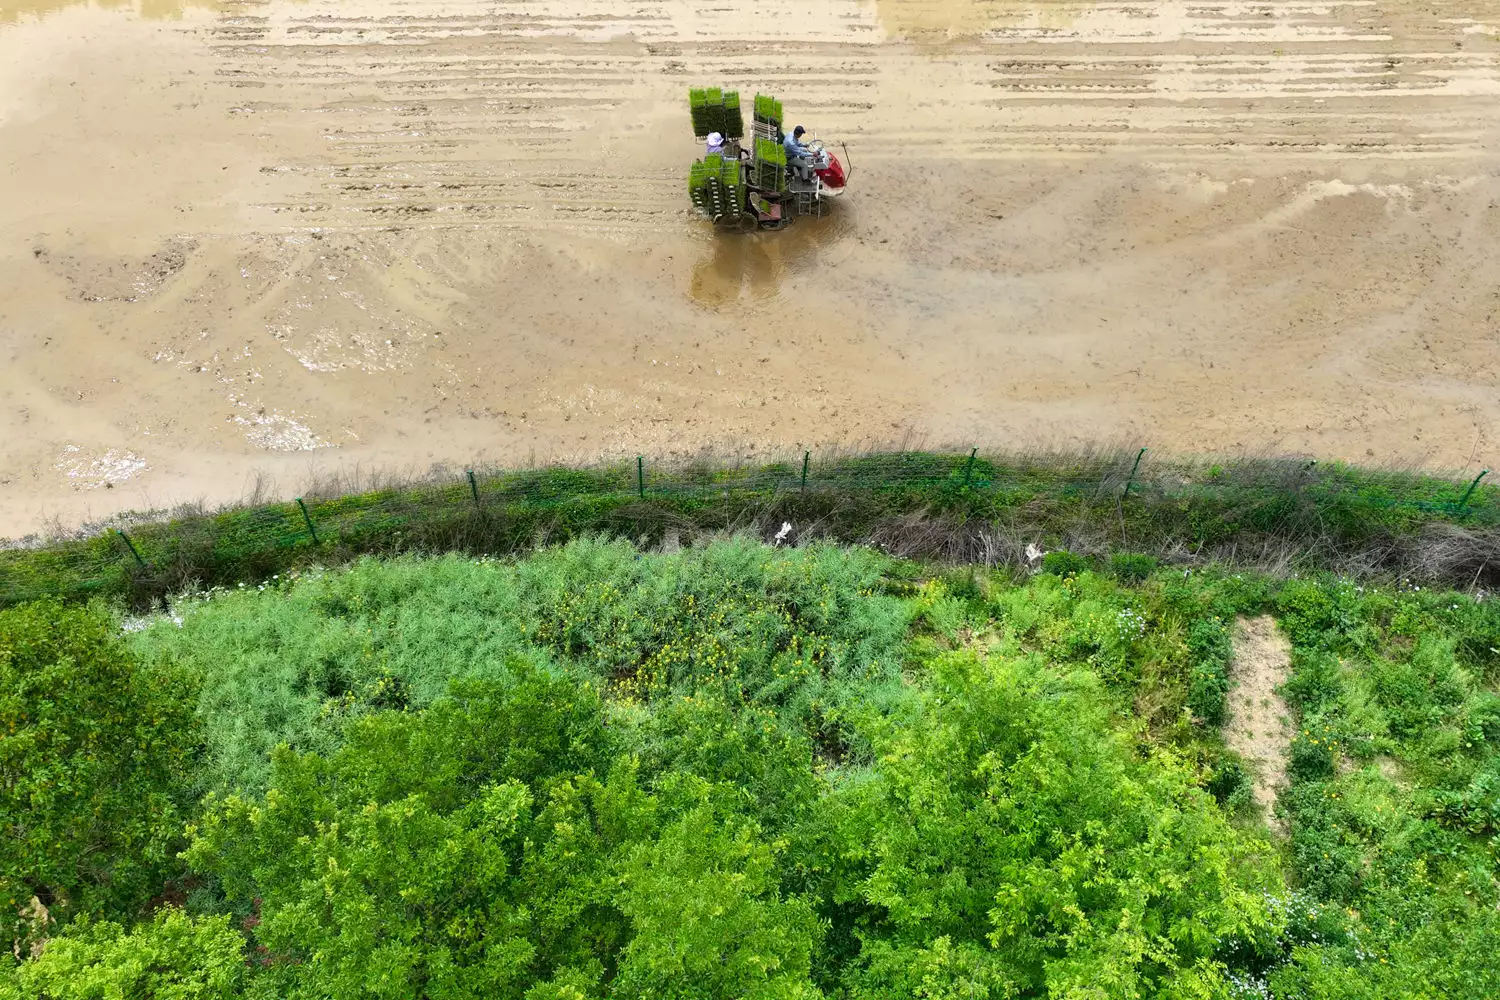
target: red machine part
832 175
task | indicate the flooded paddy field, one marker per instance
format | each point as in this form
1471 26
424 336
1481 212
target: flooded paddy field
245 239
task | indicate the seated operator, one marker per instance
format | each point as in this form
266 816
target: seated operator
797 153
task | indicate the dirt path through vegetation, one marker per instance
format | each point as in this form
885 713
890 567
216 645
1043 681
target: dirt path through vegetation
1259 726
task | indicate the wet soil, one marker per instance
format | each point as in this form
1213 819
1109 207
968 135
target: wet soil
243 239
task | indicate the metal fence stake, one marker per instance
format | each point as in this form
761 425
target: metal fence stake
969 466
308 518
640 475
806 457
131 546
1463 504
473 488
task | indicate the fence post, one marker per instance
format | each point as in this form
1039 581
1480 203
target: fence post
640 475
131 546
308 518
1131 481
806 456
474 489
1463 504
969 466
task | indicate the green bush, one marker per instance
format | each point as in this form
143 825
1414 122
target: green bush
1313 752
96 751
1317 682
170 957
1007 838
1229 782
1211 649
1132 567
798 631
1064 563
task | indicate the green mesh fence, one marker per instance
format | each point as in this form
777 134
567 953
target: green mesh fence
1187 499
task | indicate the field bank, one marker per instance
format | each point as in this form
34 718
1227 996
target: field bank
245 238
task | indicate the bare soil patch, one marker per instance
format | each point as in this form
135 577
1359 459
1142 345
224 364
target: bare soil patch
1259 726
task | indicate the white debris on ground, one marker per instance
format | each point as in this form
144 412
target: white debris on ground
103 470
276 432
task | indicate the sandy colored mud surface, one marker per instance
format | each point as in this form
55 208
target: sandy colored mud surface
279 237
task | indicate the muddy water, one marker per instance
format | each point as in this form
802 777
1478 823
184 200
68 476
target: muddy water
245 239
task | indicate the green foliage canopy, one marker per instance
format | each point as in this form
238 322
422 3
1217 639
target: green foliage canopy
95 751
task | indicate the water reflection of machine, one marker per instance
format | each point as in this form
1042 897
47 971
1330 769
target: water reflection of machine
746 181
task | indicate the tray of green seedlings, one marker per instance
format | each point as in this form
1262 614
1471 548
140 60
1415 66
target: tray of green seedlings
770 165
698 178
698 105
707 106
734 194
733 120
713 169
767 109
715 105
767 117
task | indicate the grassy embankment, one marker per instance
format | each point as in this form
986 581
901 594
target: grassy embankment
1276 515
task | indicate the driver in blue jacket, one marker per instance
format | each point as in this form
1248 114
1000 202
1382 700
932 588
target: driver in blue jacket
797 153
794 146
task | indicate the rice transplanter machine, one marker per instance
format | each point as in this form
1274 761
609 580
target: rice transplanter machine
745 181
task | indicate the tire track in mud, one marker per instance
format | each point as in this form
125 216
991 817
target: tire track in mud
564 115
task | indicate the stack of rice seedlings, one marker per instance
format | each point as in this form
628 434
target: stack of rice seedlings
705 117
714 104
734 194
733 120
770 165
716 110
713 185
767 117
698 187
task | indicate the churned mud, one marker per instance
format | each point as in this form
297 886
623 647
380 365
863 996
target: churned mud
243 237
1259 726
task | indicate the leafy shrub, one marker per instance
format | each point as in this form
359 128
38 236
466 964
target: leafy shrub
1313 752
797 631
1326 847
1316 683
1132 567
1064 563
1475 809
399 859
1483 722
95 754
1211 649
1321 615
1420 689
1399 844
1010 816
1229 782
171 957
